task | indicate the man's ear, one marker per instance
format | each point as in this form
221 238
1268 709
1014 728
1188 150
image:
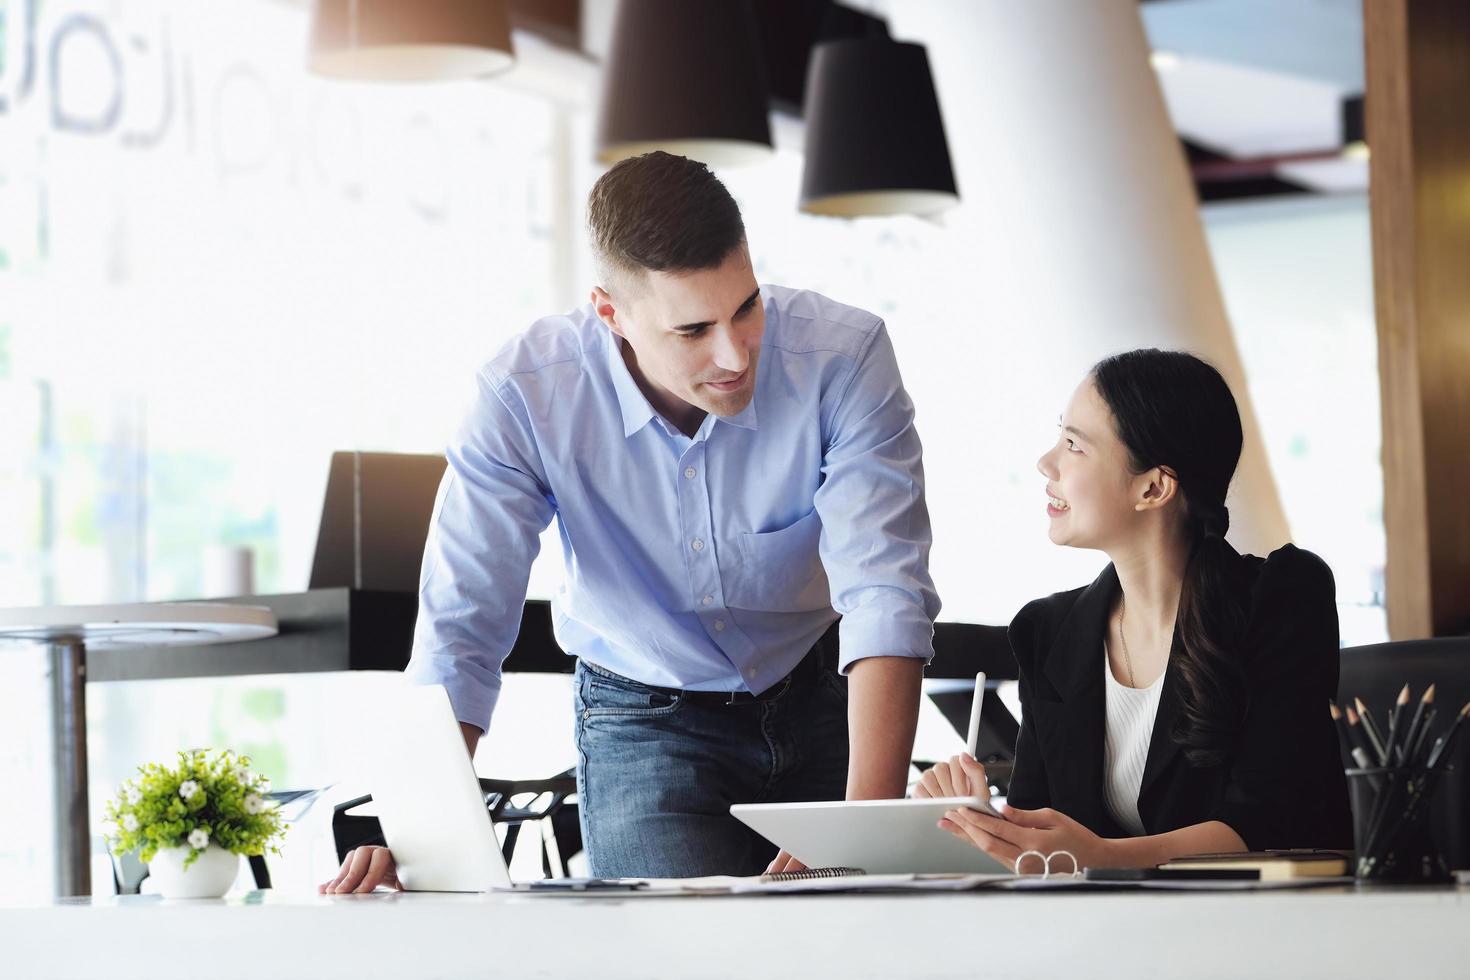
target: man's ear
1157 488
606 309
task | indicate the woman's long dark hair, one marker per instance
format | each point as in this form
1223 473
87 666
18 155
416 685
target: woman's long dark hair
1172 409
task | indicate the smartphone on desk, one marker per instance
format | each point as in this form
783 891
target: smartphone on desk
1171 874
586 884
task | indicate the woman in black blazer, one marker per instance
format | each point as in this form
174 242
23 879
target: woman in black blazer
1178 704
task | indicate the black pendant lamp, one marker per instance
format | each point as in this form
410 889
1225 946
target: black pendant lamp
684 76
874 137
410 40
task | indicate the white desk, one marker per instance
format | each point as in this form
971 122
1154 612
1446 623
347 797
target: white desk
1418 934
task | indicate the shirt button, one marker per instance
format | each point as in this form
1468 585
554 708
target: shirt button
719 625
697 544
707 599
688 472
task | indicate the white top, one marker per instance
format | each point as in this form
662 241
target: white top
1130 727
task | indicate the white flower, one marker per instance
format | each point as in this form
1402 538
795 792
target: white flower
198 838
263 784
129 822
133 793
254 804
188 788
242 775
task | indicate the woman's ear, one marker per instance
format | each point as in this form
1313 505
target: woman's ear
1157 487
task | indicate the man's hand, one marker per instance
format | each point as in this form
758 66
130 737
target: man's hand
784 862
960 776
367 867
364 869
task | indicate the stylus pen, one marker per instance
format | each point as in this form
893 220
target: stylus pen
972 740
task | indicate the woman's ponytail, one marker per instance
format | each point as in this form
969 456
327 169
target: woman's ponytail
1173 409
1212 689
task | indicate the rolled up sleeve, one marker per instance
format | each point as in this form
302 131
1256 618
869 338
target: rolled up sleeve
485 532
875 523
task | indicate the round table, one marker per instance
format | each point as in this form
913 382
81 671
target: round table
69 631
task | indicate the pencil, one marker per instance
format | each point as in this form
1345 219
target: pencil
1410 745
1344 742
1421 743
1355 733
1361 760
1395 719
1370 729
1446 742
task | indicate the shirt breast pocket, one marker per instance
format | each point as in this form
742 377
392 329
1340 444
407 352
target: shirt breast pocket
781 570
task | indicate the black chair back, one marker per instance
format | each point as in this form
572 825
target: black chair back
960 651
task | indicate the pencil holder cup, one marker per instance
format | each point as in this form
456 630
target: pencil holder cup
1391 826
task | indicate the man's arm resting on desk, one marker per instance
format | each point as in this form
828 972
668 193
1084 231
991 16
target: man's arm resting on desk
882 715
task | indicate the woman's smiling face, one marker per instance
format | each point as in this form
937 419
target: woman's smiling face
1090 484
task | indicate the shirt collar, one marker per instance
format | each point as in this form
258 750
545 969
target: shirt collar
637 412
636 409
745 418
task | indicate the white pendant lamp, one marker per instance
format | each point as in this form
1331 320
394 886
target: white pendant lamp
410 40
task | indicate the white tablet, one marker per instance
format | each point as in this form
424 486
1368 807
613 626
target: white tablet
878 836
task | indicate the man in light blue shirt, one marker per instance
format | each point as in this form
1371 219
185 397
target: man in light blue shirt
730 467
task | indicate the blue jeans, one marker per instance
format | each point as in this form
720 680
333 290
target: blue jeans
657 770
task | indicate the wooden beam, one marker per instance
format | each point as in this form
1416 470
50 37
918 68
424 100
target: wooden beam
1418 80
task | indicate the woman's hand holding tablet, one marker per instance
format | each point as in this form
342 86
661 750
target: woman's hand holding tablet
1003 837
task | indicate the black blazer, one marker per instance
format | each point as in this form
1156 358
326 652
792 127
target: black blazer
1283 783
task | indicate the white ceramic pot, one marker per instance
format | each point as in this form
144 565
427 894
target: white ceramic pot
210 876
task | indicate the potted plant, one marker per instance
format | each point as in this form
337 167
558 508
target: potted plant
190 823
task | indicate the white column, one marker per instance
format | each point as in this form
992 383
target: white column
1079 224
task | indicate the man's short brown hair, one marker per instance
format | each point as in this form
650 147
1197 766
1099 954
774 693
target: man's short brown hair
661 212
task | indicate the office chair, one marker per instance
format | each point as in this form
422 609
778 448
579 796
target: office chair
551 800
960 651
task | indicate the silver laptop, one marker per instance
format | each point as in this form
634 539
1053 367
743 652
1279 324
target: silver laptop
433 812
429 799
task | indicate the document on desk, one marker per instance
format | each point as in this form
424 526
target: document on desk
896 883
765 885
869 883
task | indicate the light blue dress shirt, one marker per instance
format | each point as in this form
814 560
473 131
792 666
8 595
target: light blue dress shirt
710 563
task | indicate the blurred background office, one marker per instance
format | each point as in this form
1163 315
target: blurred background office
217 267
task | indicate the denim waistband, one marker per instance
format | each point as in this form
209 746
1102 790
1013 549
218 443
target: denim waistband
821 656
